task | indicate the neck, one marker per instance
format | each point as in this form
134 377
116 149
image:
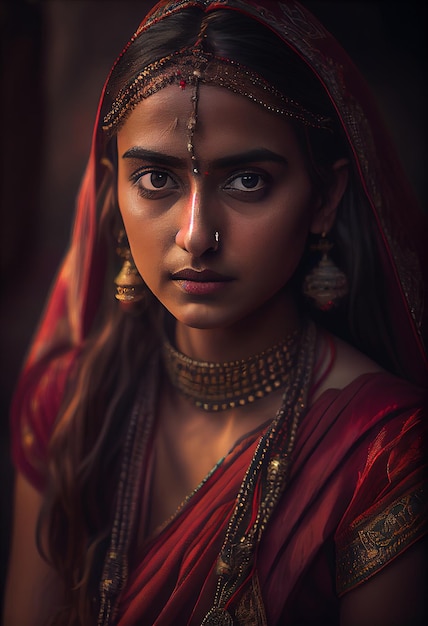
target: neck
258 331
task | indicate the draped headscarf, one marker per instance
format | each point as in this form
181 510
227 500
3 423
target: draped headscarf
399 224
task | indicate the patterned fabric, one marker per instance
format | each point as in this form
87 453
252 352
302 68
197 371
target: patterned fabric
374 541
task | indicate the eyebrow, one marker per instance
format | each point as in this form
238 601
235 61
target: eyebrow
243 158
154 157
252 156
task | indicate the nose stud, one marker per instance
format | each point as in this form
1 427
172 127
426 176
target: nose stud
216 239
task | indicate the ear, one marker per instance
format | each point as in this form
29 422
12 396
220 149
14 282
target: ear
325 215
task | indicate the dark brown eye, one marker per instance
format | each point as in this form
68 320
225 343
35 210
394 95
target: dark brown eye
249 181
158 180
152 181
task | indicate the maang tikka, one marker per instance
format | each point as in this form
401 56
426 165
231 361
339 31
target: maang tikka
326 284
130 286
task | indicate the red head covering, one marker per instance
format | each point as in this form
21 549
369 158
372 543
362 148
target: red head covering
75 297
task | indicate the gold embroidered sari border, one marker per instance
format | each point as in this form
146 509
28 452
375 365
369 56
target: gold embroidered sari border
375 541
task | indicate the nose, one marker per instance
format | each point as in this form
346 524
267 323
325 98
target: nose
197 234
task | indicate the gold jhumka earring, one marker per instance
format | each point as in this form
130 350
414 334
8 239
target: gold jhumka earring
325 284
129 284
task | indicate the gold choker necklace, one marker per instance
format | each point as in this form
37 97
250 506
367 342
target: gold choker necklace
221 386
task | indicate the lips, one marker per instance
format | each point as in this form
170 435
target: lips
200 276
200 283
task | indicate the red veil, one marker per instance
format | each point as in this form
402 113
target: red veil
400 224
399 227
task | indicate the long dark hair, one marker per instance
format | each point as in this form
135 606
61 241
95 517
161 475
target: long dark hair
85 450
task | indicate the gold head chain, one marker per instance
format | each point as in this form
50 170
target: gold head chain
190 68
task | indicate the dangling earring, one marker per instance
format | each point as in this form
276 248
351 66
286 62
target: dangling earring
326 284
129 284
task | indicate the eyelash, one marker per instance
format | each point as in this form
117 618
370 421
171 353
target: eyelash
136 179
263 180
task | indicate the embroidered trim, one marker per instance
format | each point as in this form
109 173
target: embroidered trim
250 610
376 541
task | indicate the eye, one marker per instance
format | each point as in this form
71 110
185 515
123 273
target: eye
153 183
248 182
154 180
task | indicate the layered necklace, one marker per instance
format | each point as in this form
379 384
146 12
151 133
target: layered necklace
221 386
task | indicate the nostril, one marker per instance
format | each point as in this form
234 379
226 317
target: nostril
197 241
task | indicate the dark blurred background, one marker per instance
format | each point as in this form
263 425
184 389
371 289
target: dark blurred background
55 55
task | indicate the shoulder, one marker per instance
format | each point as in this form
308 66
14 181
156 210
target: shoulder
345 363
357 399
349 364
355 374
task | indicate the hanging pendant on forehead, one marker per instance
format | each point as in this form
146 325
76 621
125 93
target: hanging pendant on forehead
191 124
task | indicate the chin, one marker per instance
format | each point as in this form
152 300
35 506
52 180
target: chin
201 323
203 318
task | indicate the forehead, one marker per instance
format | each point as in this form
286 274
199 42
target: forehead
224 118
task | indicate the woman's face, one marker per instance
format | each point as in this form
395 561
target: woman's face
253 189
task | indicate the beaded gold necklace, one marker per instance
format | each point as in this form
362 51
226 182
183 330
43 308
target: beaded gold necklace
221 386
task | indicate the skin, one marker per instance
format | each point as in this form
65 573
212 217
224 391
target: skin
262 227
263 210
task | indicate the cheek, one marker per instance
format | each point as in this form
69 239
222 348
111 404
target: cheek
282 253
283 234
134 218
274 251
140 236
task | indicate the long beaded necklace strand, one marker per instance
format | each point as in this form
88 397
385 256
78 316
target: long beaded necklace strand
268 470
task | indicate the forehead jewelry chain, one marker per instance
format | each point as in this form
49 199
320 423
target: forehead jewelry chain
191 124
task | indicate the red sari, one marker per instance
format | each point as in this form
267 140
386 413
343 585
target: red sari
354 499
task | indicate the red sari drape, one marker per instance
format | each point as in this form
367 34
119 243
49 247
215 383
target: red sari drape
358 456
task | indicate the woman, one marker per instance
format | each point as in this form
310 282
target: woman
234 442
